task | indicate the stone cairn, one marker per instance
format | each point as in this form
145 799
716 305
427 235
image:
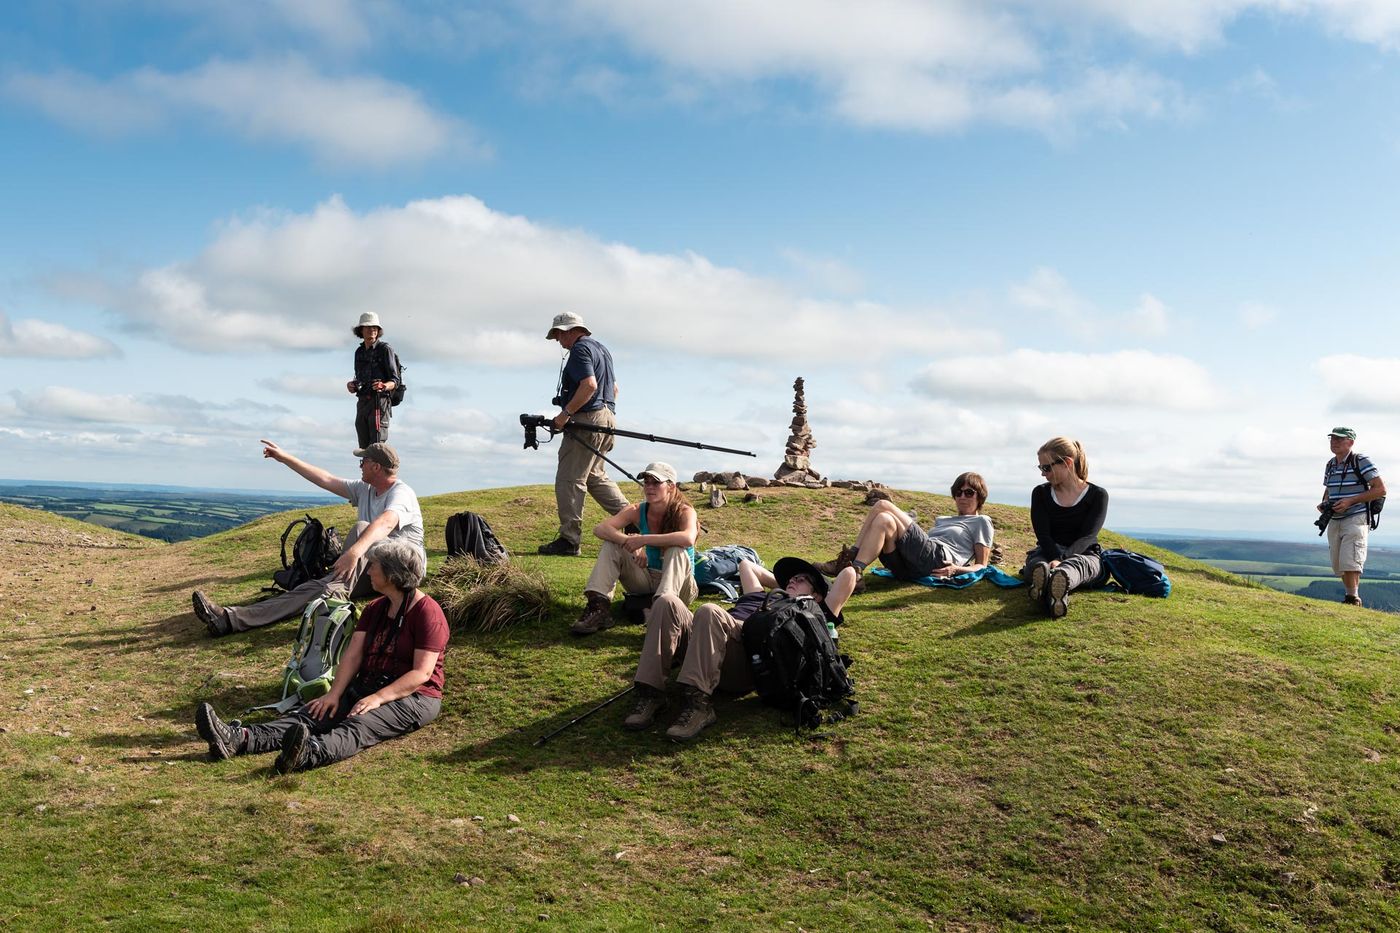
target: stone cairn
796 469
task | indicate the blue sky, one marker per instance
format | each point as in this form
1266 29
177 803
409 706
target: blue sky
1165 228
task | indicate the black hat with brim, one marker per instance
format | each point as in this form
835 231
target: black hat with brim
788 567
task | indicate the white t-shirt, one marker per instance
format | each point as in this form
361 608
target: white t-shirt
397 498
961 532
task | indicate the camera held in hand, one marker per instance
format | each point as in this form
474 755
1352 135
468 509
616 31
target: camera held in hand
1326 516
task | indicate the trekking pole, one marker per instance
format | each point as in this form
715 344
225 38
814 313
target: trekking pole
578 719
659 440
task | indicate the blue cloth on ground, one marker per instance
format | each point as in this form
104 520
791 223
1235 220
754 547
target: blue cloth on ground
963 580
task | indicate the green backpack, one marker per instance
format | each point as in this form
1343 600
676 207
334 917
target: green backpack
326 626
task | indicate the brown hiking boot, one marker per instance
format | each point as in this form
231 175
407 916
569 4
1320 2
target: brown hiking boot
844 558
597 615
214 617
695 716
650 701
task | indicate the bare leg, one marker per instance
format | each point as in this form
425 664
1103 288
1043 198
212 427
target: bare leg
884 524
1351 581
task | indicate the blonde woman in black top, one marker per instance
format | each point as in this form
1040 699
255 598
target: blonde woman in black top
1067 512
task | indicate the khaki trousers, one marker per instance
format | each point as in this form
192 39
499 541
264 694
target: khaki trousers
290 604
675 578
710 641
581 470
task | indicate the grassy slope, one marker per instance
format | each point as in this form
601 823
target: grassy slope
1005 770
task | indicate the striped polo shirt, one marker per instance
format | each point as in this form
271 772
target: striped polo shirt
1351 477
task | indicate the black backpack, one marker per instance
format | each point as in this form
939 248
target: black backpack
795 663
469 534
314 551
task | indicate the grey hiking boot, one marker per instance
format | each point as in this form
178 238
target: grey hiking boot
224 740
650 701
597 615
559 547
296 750
697 714
1040 575
214 616
1057 594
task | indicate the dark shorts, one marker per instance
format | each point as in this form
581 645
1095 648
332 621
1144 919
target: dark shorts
916 555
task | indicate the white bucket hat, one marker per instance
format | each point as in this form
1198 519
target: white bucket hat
564 322
368 319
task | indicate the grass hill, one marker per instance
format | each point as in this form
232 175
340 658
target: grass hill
1225 759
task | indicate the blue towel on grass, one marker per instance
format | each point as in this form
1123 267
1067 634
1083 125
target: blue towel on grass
995 574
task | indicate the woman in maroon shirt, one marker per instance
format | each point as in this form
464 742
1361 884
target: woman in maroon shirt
388 683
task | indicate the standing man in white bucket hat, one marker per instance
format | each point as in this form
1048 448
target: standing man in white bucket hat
587 395
378 382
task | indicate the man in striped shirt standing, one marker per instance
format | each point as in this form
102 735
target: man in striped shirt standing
1349 482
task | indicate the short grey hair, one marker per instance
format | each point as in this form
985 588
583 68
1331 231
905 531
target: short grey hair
401 562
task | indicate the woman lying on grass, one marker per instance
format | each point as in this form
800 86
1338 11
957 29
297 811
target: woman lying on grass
1067 512
388 684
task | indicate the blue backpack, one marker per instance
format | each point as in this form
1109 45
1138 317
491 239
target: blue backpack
1137 574
717 569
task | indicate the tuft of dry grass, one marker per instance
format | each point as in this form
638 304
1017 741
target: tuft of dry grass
489 597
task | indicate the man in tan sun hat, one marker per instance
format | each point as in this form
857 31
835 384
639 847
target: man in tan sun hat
377 375
587 395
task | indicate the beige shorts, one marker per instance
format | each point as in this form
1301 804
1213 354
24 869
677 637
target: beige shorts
1346 539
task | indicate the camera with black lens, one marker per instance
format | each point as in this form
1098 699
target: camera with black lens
531 423
1322 519
558 401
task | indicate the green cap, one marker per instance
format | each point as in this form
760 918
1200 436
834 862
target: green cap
1348 433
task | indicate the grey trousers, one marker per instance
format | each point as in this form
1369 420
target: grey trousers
582 471
290 604
340 736
1085 571
372 413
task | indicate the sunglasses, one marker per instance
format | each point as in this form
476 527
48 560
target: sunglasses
965 492
1046 467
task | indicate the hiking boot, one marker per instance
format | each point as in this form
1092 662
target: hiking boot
597 615
1040 575
214 616
844 558
695 716
296 750
559 547
1351 600
650 701
224 740
1057 594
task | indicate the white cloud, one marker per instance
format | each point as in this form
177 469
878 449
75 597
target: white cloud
1048 291
826 272
354 119
291 384
1128 377
1361 383
455 280
1255 316
66 405
1150 317
28 338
